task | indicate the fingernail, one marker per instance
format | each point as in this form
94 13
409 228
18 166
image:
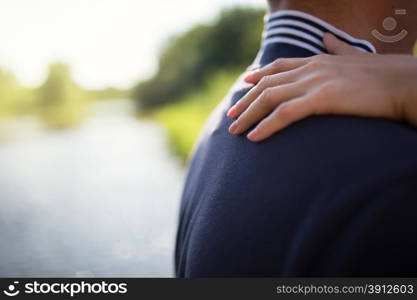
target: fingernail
250 77
328 35
233 128
253 135
232 112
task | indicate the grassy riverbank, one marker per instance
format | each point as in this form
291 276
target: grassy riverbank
184 119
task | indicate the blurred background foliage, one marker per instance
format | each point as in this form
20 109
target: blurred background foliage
196 69
187 60
15 100
60 98
59 101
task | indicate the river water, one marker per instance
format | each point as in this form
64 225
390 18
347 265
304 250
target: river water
100 200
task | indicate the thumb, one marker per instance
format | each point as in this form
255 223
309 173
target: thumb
336 46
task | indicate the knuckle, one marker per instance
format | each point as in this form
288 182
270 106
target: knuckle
240 121
319 61
322 92
321 100
283 110
276 63
328 89
322 57
259 89
265 82
316 64
265 97
323 75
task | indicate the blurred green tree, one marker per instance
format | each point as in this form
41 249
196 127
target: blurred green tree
61 101
8 90
185 63
15 100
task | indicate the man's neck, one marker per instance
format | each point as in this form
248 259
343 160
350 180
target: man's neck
360 18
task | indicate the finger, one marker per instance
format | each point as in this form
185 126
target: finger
336 46
284 115
266 82
264 105
277 66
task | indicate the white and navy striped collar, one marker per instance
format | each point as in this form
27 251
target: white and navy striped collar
304 30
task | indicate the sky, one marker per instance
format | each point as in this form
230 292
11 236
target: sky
106 42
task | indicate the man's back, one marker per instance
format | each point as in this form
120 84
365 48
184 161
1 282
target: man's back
328 196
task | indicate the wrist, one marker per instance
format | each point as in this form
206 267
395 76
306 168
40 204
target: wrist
409 105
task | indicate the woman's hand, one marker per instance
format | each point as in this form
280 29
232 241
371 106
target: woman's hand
349 83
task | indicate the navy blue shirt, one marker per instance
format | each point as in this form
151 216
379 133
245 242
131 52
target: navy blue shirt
327 196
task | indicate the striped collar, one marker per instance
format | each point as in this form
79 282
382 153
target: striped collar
304 30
